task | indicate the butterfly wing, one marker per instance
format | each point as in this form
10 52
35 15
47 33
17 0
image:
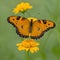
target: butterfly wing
21 24
39 27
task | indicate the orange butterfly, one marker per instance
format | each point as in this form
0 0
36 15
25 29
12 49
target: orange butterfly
33 29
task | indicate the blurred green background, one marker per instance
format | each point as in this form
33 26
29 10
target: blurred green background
49 43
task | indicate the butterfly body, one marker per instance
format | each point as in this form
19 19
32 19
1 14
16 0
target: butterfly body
33 29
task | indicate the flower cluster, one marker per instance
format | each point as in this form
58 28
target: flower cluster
28 45
22 7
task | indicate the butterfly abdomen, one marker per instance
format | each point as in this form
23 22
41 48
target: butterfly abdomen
30 28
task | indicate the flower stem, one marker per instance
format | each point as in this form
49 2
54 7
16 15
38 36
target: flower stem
27 55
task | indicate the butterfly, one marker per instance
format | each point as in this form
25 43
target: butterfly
33 29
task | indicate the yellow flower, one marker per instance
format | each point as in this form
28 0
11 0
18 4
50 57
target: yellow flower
22 7
32 18
28 45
